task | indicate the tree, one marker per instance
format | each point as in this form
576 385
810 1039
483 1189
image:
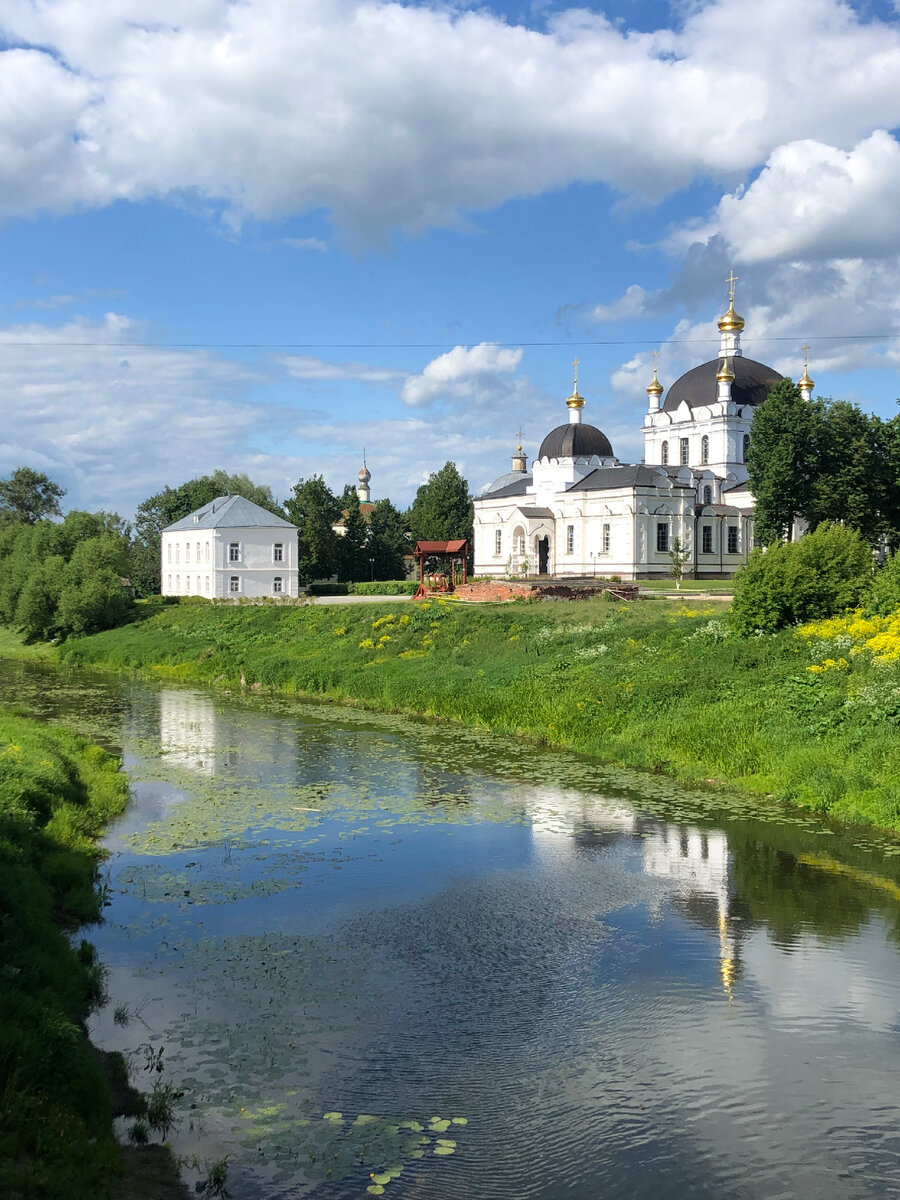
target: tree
314 508
388 542
679 555
442 509
29 496
781 461
822 574
353 555
849 472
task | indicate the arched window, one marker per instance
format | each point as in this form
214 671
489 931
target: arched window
168 583
187 551
665 454
207 582
207 551
704 449
198 585
177 583
276 584
707 495
198 552
746 445
498 541
169 552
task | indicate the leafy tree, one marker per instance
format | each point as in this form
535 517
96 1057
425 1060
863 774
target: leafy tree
29 496
314 508
170 505
849 472
780 461
820 575
388 542
353 552
885 594
442 509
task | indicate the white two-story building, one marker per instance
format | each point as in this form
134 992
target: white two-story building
229 548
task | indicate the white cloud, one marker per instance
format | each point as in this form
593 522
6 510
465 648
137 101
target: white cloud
305 366
811 201
307 243
398 115
631 304
463 375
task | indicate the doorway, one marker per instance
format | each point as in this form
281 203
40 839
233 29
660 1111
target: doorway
543 555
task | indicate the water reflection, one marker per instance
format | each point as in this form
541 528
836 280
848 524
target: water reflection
623 995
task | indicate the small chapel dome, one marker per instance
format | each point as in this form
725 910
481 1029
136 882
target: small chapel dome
365 474
730 322
575 441
725 373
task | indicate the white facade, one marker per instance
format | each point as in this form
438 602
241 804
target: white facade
228 549
582 513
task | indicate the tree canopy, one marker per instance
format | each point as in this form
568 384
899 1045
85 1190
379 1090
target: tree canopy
315 509
29 496
780 461
442 508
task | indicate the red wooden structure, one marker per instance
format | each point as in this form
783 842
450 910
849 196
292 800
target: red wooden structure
454 552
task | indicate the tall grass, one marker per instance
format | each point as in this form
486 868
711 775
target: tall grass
655 685
56 793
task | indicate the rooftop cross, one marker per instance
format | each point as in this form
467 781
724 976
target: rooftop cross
575 364
731 281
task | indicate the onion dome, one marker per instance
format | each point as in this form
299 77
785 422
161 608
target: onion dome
804 383
730 322
654 387
725 373
575 441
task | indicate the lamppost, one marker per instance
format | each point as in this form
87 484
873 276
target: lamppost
372 569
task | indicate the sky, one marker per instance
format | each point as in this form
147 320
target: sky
265 235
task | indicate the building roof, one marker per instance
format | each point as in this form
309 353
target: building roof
535 514
575 441
608 478
504 481
751 384
230 512
510 489
454 546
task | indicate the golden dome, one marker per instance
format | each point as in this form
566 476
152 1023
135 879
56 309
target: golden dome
804 382
575 400
731 322
725 373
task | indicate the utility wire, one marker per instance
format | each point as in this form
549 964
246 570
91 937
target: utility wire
827 337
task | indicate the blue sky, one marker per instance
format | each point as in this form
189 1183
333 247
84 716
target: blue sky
262 235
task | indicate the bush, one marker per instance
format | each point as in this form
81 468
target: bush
389 587
822 574
328 589
884 597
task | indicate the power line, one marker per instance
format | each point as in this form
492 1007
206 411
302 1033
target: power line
826 337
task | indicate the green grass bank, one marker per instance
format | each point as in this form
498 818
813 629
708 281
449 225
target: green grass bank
57 792
656 685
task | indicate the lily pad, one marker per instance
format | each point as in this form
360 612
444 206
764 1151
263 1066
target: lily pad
443 1150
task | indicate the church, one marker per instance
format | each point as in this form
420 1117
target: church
579 512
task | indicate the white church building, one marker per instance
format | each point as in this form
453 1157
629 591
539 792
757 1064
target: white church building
229 548
579 512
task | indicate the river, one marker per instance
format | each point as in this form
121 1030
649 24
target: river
378 954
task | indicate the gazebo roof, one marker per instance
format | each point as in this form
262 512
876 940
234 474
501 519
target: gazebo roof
457 546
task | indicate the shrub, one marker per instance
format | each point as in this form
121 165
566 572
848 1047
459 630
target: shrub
328 589
820 575
884 597
389 587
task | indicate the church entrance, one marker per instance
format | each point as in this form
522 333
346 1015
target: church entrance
543 555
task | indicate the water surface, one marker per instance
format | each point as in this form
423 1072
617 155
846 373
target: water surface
509 973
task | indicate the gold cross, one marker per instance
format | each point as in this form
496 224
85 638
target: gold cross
655 362
521 433
731 281
805 358
575 364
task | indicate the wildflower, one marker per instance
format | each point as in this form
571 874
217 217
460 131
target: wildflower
340 631
367 644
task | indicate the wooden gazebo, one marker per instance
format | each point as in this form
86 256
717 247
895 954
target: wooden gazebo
454 552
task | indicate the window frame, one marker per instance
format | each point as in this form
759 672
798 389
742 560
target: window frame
704 450
277 586
734 540
662 537
498 541
664 453
278 552
684 451
706 539
607 537
234 585
707 494
570 539
234 552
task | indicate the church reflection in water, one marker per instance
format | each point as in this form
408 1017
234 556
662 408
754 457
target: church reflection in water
695 863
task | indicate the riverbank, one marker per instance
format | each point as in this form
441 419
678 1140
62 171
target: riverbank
57 792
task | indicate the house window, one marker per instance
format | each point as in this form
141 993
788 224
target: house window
177 552
685 451
198 552
662 537
168 583
665 454
732 539
704 449
279 552
520 545
746 445
206 581
187 551
234 551
234 583
276 584
207 554
706 539
707 495
198 585
606 539
570 538
169 552
177 583
498 540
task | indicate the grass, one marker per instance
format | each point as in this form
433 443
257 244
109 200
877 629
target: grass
657 685
56 793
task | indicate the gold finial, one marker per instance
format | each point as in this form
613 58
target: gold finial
575 401
725 374
731 322
654 387
804 383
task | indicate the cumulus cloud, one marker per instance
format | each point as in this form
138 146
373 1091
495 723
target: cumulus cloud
391 115
463 375
632 303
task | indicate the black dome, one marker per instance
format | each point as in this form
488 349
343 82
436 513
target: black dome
750 385
575 441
